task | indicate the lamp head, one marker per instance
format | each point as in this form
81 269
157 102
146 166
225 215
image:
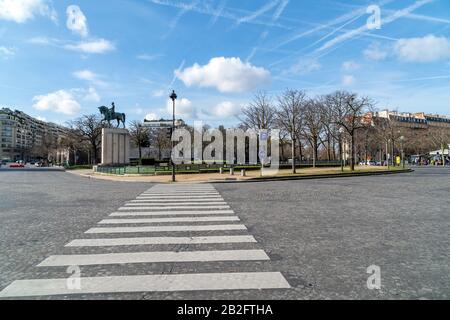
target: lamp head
173 96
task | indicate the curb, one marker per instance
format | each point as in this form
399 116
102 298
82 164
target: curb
315 177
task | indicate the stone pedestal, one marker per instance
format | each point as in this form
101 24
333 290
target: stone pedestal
115 146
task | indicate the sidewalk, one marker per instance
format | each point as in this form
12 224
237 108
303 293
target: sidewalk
226 177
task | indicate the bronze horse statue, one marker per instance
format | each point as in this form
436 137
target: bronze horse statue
111 114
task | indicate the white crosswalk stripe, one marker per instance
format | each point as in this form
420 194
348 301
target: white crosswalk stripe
175 203
167 220
171 196
165 200
149 283
149 257
223 227
175 209
170 213
158 241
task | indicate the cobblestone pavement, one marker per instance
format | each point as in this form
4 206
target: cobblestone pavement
310 239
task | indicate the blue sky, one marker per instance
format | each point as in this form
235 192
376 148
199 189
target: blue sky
63 58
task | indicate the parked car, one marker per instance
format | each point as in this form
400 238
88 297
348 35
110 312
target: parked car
368 163
17 165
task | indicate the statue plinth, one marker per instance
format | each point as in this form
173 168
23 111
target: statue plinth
115 146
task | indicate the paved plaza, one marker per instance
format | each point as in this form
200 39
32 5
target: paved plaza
309 239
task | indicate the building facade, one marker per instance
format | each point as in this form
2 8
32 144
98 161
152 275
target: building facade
419 120
21 135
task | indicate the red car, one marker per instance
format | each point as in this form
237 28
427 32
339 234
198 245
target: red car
17 165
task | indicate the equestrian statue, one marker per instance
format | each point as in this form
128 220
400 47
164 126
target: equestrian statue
111 114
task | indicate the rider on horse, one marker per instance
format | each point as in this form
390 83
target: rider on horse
110 114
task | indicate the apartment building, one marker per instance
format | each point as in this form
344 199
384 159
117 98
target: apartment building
21 134
419 120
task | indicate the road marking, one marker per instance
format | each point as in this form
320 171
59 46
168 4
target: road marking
167 220
149 283
139 200
182 189
159 241
181 194
175 204
170 213
160 204
174 207
153 257
168 229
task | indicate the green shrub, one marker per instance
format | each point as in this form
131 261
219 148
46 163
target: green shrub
79 167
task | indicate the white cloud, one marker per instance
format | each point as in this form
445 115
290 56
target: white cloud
61 101
22 10
76 21
365 28
183 108
7 52
427 49
225 109
348 80
41 118
350 65
42 41
224 74
92 95
86 75
304 67
151 117
94 46
375 52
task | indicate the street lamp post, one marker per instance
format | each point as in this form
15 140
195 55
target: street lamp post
173 97
402 139
388 156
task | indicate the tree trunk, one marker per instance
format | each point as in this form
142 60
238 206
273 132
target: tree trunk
300 148
329 147
353 155
293 157
314 145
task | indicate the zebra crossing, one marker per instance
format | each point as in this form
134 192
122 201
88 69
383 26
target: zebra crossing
175 210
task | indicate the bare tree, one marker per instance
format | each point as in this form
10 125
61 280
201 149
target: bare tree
139 136
440 138
160 138
291 105
332 130
260 113
313 125
88 128
388 132
46 148
348 111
